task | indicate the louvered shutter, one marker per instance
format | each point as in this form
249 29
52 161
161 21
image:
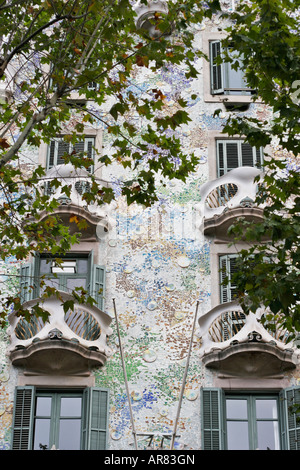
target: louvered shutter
51 153
23 418
98 285
224 289
216 69
259 157
26 281
248 153
63 148
232 265
95 418
232 154
290 418
89 149
227 265
212 419
227 156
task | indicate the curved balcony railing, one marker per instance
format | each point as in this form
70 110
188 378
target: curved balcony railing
79 332
147 15
227 323
236 188
89 325
78 182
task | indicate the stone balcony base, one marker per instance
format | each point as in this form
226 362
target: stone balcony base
57 357
252 359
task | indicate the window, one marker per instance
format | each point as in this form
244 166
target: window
236 153
250 421
224 78
66 419
74 271
58 148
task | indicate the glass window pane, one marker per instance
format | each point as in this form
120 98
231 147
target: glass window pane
41 434
236 408
52 283
43 406
70 406
45 266
266 409
82 266
72 283
237 435
267 435
69 434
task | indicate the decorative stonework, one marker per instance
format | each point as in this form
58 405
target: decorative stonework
41 344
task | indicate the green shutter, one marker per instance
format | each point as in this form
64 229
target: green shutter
290 414
212 419
216 69
98 285
29 280
26 280
95 418
23 418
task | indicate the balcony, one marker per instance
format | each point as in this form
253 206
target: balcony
228 197
99 218
148 15
69 343
236 344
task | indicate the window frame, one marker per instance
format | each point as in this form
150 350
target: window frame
95 416
62 278
30 277
251 419
223 72
213 416
222 169
55 417
53 146
227 100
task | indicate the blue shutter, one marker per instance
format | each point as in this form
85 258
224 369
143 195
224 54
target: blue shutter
95 418
23 418
290 418
212 419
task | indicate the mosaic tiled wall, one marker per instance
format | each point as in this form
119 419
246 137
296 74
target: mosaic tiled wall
158 267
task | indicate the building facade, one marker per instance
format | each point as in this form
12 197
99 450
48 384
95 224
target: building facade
199 374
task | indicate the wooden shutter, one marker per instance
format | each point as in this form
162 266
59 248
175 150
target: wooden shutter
95 418
290 418
98 285
212 419
216 69
23 418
